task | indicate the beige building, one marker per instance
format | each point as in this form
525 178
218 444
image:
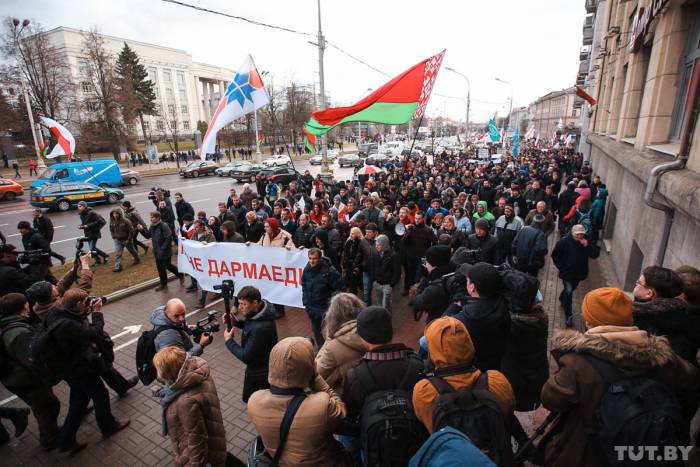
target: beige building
187 90
643 134
548 110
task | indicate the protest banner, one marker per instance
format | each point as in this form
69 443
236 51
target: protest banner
276 272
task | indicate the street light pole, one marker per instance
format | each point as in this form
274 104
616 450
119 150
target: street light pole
468 97
511 99
322 84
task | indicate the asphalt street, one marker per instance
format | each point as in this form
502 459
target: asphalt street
203 193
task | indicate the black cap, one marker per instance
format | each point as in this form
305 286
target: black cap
126 203
485 278
40 292
371 226
374 325
438 255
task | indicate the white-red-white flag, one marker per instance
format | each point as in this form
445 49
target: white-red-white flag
66 141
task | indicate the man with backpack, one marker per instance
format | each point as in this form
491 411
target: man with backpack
615 385
530 247
457 394
92 223
384 378
17 373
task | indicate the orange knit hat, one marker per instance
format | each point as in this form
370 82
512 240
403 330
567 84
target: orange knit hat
607 306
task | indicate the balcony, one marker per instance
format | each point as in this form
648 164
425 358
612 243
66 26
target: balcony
580 79
584 53
587 35
583 67
591 6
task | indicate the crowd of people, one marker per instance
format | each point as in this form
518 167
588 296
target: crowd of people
464 240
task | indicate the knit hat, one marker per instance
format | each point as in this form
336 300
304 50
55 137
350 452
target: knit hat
40 292
607 306
438 255
482 224
485 278
374 325
82 203
126 203
371 226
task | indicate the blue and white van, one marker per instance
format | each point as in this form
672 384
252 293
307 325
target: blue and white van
100 172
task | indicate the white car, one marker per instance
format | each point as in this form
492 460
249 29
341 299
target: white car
277 160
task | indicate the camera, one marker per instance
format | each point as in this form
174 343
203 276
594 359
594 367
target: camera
154 190
79 244
31 257
206 325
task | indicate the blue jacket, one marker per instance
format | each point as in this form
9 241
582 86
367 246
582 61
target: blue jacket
598 207
318 286
172 337
530 243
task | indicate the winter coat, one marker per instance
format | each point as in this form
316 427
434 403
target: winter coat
339 354
486 215
253 232
530 245
44 226
15 279
181 208
120 228
567 198
302 236
206 236
387 269
576 388
239 211
247 196
161 238
318 286
447 349
258 338
15 334
571 258
192 416
506 230
547 226
598 208
83 279
388 365
310 442
488 323
283 240
486 245
33 240
91 220
417 241
350 261
172 337
234 238
134 217
525 361
673 319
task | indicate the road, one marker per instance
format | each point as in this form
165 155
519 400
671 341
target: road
203 193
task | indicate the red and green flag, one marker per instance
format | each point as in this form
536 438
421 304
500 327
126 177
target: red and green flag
402 99
309 140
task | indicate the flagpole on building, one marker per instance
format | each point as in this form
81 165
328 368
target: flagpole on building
258 154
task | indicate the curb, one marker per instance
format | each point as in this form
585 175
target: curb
134 289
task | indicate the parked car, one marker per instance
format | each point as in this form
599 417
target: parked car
378 160
226 170
130 177
10 189
317 159
282 175
351 160
365 149
61 196
197 168
246 172
415 154
276 160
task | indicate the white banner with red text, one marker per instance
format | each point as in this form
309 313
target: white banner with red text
276 272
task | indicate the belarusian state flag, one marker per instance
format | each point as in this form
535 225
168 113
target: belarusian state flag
309 140
585 96
403 98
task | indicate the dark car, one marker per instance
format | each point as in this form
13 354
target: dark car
129 177
61 196
364 150
350 160
246 172
226 170
378 160
197 168
415 154
282 175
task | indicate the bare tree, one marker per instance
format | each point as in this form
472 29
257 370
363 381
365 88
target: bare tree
101 77
298 109
171 130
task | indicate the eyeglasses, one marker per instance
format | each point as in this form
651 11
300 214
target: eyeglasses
644 286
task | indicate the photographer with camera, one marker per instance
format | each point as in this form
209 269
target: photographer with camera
170 328
70 350
38 251
483 241
13 278
156 195
258 337
45 295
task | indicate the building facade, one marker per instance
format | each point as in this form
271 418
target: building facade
643 137
186 91
550 109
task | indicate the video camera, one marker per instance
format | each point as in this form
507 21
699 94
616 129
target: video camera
207 325
227 289
31 257
79 244
154 190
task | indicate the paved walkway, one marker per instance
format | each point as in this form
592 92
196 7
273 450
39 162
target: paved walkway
142 444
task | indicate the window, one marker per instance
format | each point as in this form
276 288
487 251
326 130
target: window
91 105
183 110
161 125
82 66
688 63
169 94
157 109
147 125
181 78
87 87
167 76
183 95
152 74
185 125
171 110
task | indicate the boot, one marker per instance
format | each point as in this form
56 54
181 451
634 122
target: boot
20 420
118 426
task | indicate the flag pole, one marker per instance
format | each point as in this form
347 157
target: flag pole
258 154
415 135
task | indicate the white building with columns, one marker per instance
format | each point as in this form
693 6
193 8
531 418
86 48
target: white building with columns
187 90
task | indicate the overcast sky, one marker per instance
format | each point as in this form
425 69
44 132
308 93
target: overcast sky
532 44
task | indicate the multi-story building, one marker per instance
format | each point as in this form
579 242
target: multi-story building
517 116
186 91
643 135
556 106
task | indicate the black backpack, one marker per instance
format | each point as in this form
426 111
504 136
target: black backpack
519 289
476 413
6 360
145 350
636 411
46 357
391 433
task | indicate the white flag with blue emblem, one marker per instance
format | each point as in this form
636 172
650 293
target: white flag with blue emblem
243 95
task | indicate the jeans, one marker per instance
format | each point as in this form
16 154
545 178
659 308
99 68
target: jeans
119 246
81 391
412 272
384 294
567 296
317 327
135 240
423 348
92 244
163 266
367 288
45 408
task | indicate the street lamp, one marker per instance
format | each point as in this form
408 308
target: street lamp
511 98
16 34
468 96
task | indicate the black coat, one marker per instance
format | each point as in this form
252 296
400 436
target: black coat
91 220
253 232
14 279
418 239
35 241
525 362
571 258
567 199
302 236
182 208
44 226
488 323
258 338
161 237
318 286
239 211
486 245
387 269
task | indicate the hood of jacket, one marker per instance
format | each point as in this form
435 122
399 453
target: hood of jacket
292 363
536 317
266 313
194 372
627 347
661 315
602 193
347 334
116 215
449 342
158 317
479 308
